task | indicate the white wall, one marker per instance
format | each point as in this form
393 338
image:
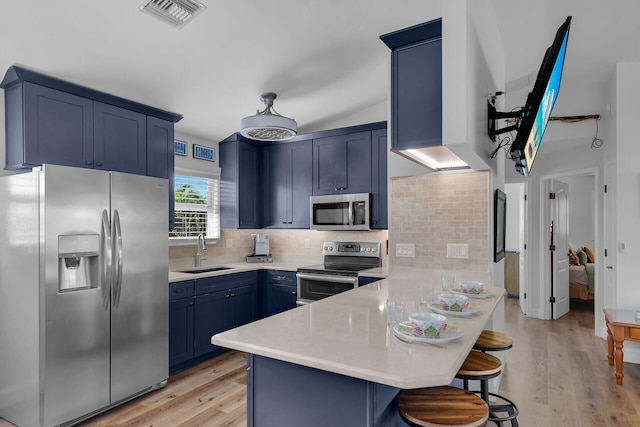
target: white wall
582 202
472 66
189 162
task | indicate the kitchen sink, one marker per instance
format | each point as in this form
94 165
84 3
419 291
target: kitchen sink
203 270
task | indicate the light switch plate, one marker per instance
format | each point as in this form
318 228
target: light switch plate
229 243
407 250
457 250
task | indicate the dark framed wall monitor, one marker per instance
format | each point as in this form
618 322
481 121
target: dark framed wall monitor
532 119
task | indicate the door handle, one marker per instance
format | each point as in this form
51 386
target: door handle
105 242
116 233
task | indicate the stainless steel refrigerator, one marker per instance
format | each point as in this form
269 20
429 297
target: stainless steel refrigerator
83 292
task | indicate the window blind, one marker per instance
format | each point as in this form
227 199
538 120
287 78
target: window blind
197 206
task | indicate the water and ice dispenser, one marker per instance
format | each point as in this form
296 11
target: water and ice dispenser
78 262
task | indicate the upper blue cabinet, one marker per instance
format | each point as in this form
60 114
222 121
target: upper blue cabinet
49 120
416 85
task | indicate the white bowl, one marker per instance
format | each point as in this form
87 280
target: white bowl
430 323
471 287
452 302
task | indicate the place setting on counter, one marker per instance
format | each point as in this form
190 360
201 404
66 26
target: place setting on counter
433 327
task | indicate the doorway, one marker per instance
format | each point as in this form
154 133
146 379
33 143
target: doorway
582 232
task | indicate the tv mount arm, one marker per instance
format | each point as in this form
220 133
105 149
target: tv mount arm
494 116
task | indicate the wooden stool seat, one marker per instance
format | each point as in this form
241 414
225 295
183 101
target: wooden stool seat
442 406
479 364
493 341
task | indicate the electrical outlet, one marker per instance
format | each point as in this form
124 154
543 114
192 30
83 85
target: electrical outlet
457 250
229 243
307 243
407 250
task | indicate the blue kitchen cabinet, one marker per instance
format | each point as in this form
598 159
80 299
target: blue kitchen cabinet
120 140
160 159
365 280
416 85
280 291
222 303
287 171
181 322
379 190
240 197
46 125
342 164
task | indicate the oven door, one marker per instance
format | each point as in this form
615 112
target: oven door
314 287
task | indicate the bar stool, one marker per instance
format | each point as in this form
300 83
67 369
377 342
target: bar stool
442 406
482 367
493 341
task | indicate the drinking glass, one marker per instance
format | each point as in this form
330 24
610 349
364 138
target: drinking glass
447 283
395 312
426 294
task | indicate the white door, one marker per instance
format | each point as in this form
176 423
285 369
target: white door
524 238
559 248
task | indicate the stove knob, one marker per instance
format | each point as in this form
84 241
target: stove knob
373 249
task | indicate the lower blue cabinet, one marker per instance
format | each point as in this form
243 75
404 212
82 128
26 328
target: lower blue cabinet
199 309
280 291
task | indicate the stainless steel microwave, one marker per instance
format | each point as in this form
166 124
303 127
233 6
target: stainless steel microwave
340 212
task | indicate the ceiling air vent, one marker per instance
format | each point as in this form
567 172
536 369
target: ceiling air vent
176 13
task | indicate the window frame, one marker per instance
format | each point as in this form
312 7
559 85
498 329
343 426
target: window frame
213 174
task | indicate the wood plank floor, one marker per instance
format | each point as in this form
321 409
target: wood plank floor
557 373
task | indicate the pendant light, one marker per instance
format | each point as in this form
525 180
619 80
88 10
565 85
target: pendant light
268 125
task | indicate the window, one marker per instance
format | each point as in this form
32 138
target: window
197 205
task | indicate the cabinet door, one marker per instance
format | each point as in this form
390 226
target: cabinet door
120 139
210 318
280 298
379 191
249 200
160 161
287 184
58 128
277 186
243 305
416 94
301 183
342 164
181 330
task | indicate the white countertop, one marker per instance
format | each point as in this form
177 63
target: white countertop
348 333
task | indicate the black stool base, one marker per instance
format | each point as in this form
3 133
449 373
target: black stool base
495 409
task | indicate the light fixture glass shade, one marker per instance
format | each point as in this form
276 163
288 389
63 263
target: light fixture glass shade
268 125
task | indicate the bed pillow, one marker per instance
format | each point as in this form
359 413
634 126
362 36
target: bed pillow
582 256
590 257
573 257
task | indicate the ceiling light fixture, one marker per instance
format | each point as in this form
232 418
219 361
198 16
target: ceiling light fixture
268 125
174 12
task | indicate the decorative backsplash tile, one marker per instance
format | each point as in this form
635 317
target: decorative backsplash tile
430 211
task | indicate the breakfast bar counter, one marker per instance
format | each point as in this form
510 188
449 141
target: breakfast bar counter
337 362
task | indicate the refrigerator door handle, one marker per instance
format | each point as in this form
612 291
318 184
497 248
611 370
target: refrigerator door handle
116 233
105 245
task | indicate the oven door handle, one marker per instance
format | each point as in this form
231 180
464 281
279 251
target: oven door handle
327 278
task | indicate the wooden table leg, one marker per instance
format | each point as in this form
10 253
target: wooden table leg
609 344
618 338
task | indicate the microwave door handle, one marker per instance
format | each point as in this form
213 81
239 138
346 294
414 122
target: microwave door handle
352 212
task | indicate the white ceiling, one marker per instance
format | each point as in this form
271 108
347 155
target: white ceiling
324 59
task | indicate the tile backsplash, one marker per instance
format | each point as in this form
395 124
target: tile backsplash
282 244
430 211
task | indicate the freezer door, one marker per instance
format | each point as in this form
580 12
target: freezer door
139 317
74 302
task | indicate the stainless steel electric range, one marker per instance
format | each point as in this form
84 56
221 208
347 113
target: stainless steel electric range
339 272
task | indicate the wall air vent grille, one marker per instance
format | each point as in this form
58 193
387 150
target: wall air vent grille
176 13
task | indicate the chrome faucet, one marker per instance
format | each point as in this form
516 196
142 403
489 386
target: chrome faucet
201 255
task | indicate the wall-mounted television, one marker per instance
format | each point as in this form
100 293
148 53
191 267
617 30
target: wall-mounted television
534 116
